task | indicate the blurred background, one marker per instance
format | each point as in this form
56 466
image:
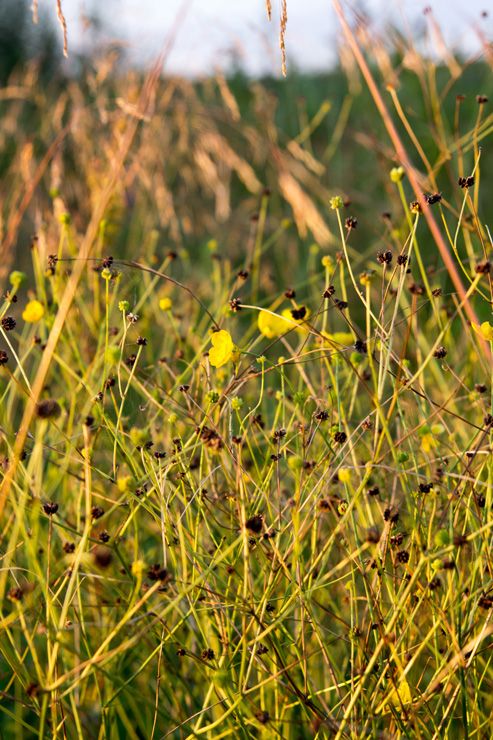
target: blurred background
225 126
210 33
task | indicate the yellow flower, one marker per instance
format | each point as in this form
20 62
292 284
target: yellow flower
485 330
336 202
428 442
366 277
124 483
396 174
165 304
33 312
272 325
398 697
222 348
344 475
344 338
137 568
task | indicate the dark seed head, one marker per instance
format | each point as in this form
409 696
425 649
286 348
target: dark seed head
385 258
50 508
255 523
8 323
340 437
433 198
440 353
97 512
483 268
48 409
298 313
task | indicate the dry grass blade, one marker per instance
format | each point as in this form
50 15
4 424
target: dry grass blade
282 35
63 25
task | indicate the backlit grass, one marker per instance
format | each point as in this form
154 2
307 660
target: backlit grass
246 405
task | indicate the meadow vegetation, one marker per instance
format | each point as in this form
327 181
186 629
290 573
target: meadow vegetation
246 390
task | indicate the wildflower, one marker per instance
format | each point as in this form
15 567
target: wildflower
342 338
123 306
336 202
396 174
328 261
398 697
124 483
415 206
222 348
137 568
344 475
485 330
272 325
429 436
366 277
16 278
236 403
165 304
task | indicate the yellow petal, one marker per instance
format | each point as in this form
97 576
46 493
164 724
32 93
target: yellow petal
34 311
398 697
272 325
222 348
485 330
344 338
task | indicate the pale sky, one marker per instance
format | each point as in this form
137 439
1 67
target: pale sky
213 29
